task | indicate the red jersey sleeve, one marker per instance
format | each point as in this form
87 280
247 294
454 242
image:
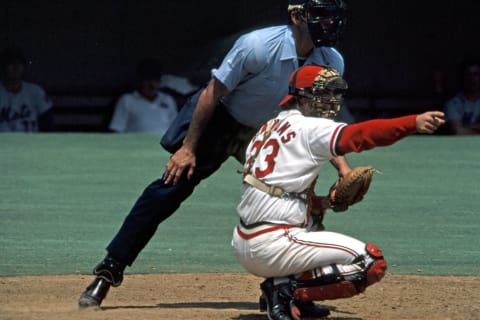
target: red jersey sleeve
374 133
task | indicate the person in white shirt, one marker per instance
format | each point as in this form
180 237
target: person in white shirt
146 109
24 106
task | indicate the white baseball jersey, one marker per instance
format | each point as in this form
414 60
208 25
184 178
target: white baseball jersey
135 114
274 244
290 158
20 111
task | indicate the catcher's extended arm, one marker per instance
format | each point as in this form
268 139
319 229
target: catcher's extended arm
351 188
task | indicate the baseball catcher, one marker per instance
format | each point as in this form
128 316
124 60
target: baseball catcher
274 239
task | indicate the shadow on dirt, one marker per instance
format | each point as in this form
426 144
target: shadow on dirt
229 305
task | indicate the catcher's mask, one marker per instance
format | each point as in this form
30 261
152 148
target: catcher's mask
325 19
324 87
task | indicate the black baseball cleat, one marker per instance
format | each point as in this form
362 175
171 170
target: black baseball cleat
278 300
307 309
109 273
94 293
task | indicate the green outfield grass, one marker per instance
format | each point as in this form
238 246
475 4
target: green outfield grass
63 197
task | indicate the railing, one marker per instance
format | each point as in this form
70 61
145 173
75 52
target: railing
93 113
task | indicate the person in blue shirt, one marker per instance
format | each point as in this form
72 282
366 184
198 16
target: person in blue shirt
462 111
219 120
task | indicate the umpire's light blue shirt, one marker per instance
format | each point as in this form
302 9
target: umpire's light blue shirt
256 72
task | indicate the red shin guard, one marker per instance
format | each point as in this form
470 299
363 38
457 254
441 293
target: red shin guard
342 289
317 288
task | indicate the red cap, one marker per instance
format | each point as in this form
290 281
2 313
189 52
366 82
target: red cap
300 79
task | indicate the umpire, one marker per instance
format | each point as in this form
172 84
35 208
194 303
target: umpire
218 121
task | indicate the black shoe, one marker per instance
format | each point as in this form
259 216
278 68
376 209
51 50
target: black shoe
307 309
109 272
278 300
94 293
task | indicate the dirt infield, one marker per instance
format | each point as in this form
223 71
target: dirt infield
230 296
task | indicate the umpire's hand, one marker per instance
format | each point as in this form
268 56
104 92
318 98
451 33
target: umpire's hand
183 159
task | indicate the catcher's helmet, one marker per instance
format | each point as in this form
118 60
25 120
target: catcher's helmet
325 19
323 85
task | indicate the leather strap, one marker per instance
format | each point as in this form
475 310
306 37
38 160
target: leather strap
260 185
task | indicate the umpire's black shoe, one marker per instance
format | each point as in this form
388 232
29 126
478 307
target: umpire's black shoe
109 272
94 294
307 309
278 300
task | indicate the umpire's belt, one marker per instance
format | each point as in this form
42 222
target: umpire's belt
273 190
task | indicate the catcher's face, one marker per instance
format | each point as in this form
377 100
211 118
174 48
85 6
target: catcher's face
322 98
328 103
325 105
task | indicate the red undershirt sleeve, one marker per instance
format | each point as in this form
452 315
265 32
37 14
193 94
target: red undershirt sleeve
374 133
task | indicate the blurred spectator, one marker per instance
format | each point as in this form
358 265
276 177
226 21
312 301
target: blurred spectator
24 106
439 93
146 109
180 88
463 110
345 115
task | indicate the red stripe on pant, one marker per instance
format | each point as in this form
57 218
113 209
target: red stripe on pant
247 236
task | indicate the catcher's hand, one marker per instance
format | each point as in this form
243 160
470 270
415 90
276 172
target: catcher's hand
351 188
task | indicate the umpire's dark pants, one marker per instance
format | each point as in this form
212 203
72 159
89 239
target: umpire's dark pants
223 137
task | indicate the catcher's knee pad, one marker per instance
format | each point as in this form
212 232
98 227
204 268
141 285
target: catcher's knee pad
377 267
110 270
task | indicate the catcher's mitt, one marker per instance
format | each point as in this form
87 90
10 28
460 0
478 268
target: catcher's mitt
351 188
